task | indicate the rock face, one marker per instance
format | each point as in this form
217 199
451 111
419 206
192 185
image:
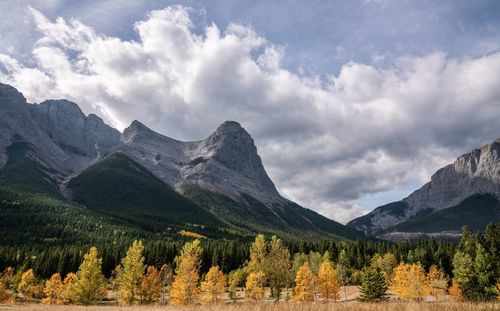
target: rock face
226 161
64 140
477 172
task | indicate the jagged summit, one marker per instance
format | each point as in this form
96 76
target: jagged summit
476 172
221 175
10 95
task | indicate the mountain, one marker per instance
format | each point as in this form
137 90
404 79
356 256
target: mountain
139 182
466 192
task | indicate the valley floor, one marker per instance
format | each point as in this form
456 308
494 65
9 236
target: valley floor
353 306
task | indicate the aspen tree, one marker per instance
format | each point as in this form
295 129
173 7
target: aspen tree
151 286
234 279
258 254
455 292
89 286
304 284
214 284
437 282
28 286
409 281
184 288
254 286
328 286
277 267
68 294
5 295
129 273
53 290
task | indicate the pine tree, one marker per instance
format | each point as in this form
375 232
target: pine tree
304 284
277 267
437 282
409 281
184 288
166 279
150 287
214 284
129 273
485 275
254 286
328 285
53 290
464 274
374 286
90 283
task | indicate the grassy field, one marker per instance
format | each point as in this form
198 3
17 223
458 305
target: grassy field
353 306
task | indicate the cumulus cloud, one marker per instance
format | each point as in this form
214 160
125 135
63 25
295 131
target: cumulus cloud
325 142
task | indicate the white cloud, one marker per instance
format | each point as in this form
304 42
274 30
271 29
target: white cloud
325 143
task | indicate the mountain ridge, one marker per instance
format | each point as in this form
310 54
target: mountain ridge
69 145
472 173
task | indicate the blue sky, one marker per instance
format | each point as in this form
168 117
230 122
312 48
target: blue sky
352 104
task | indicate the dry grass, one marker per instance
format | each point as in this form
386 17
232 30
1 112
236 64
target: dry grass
388 306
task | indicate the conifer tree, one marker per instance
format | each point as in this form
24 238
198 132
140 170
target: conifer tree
184 288
166 279
409 281
464 274
214 284
327 282
129 273
374 286
150 287
277 267
254 286
304 284
53 290
89 286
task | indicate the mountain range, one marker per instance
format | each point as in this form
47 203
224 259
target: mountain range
466 192
66 176
55 161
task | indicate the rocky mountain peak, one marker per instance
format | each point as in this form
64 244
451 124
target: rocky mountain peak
10 95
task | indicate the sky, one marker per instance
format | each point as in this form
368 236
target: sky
352 104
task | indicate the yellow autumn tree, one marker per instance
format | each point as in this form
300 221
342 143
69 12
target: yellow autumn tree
150 288
68 294
129 273
437 282
184 287
409 281
258 254
214 284
89 286
254 286
234 280
327 283
28 286
455 292
53 290
6 296
304 284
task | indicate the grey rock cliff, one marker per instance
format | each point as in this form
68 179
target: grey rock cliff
226 161
472 173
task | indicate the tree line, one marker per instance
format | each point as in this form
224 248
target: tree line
269 270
